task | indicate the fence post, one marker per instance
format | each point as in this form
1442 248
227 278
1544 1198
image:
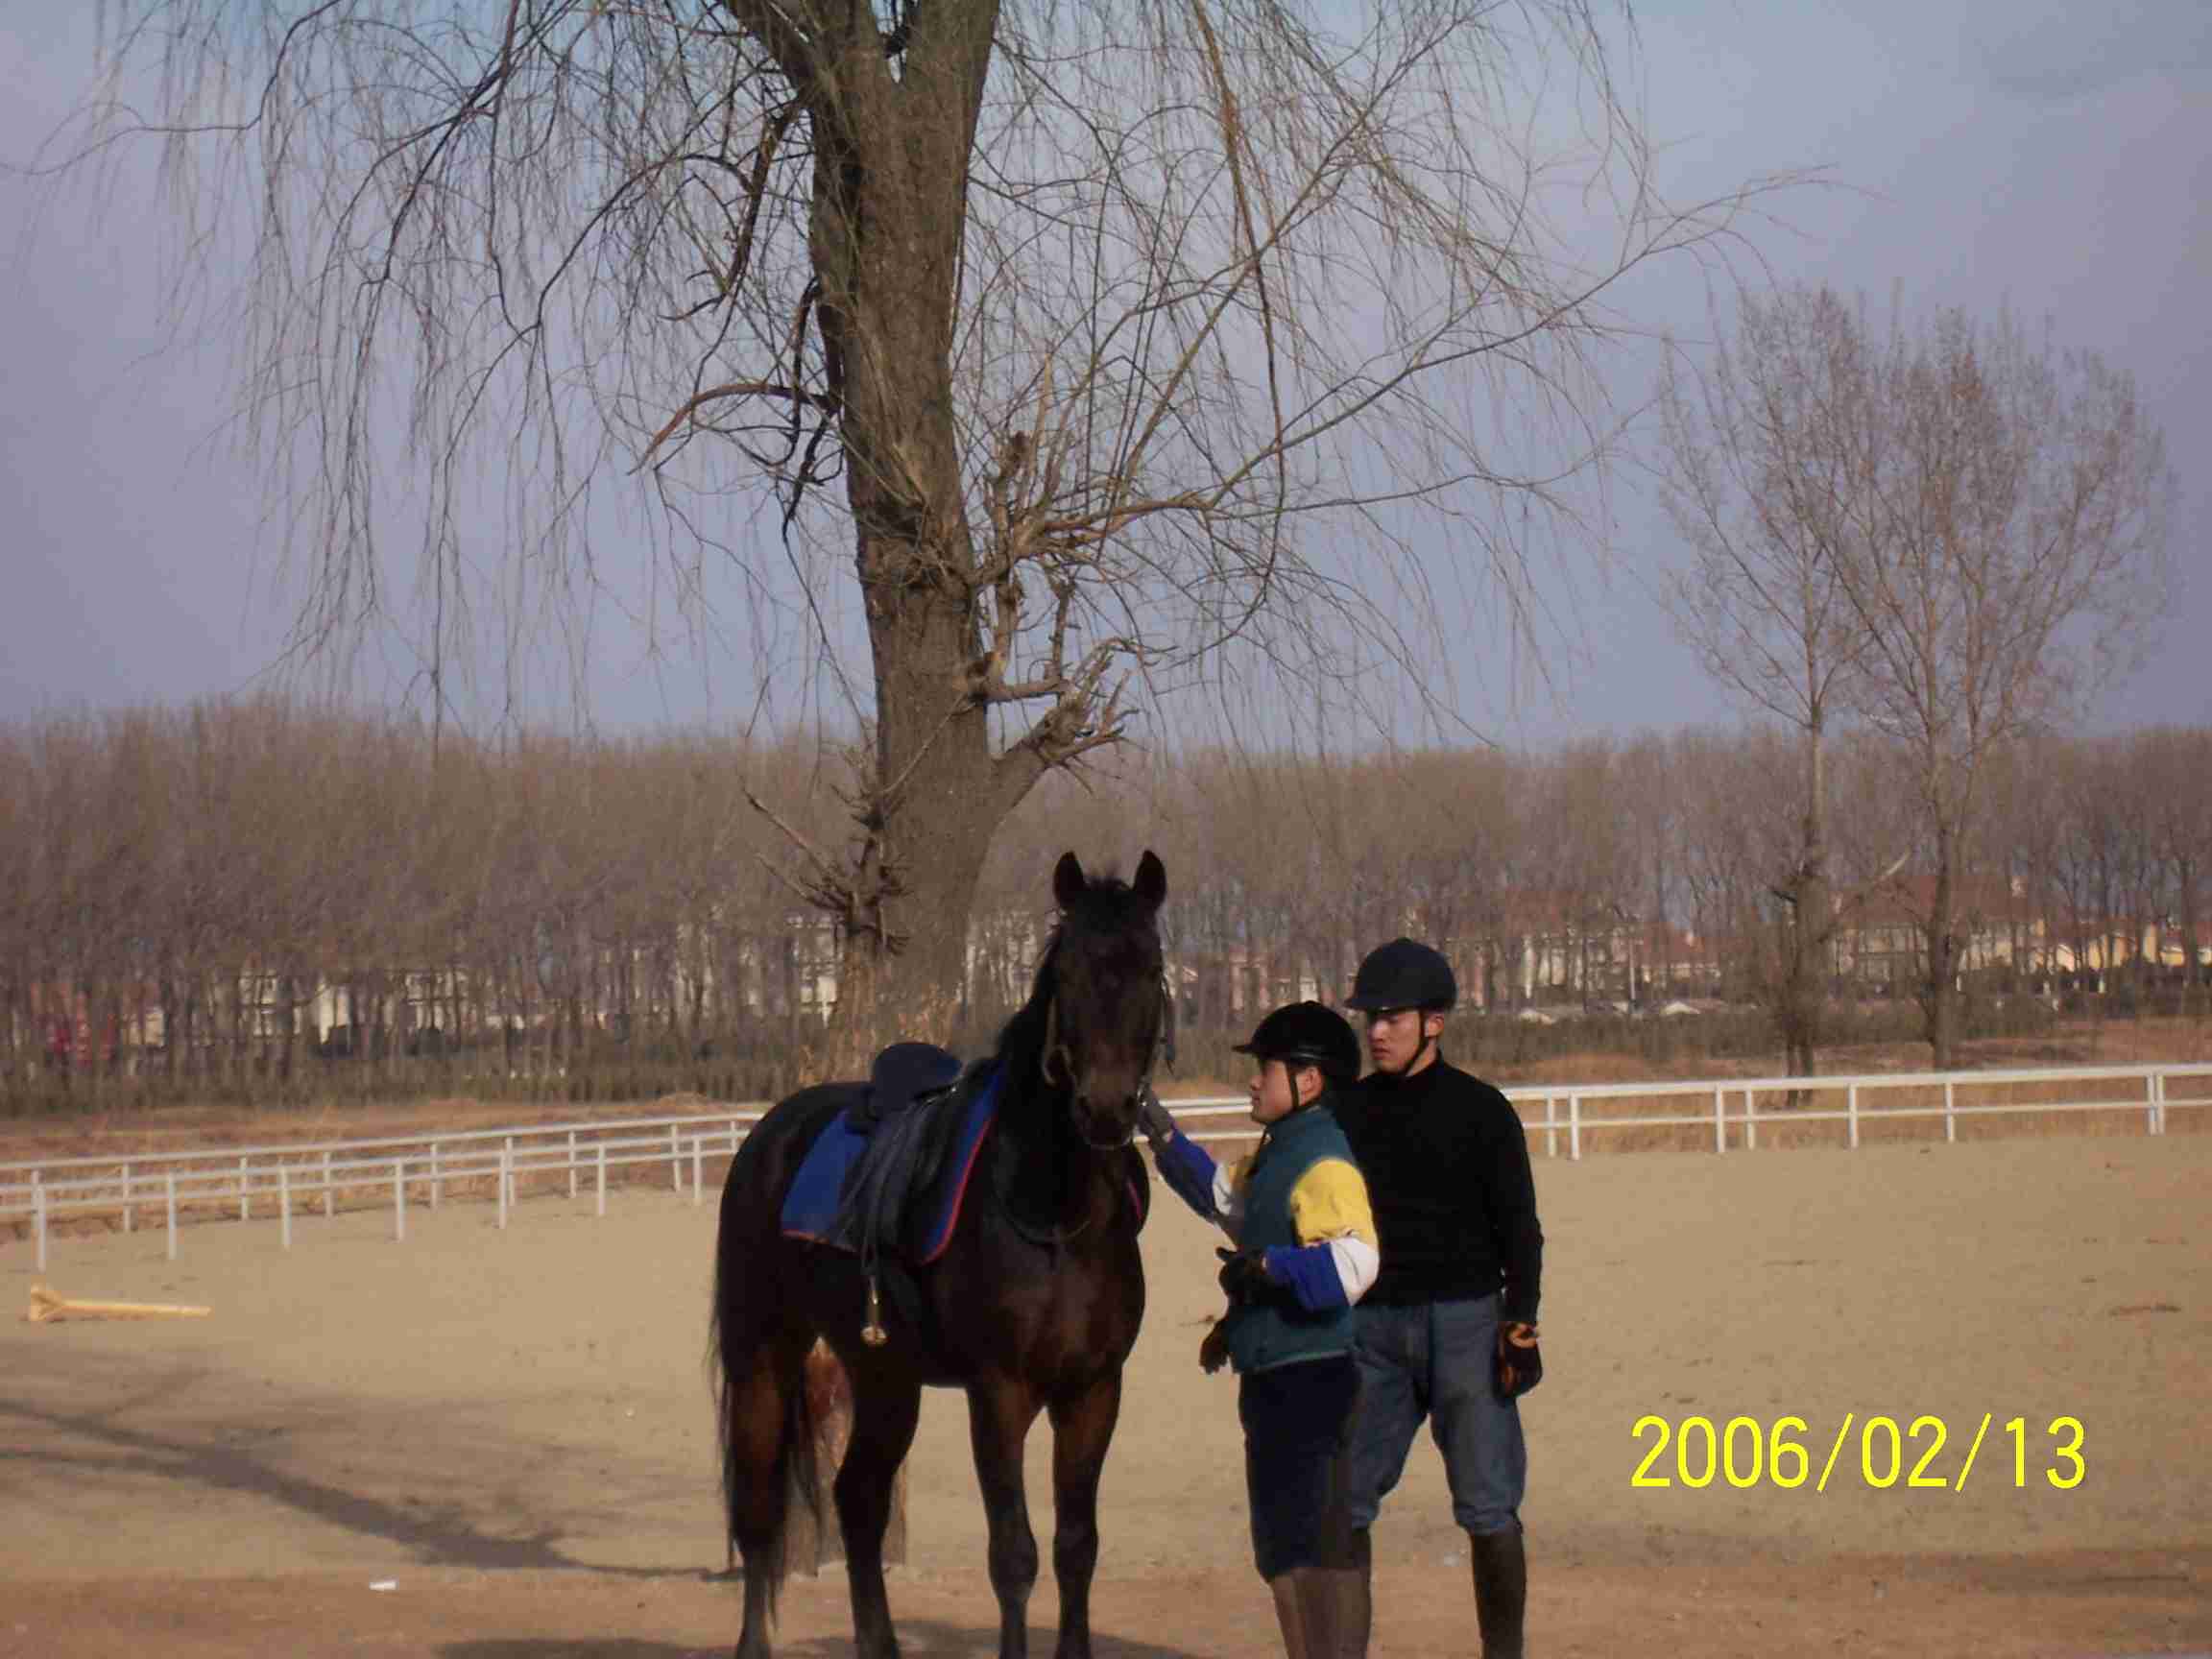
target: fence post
571 1162
245 1180
171 1184
2150 1103
1550 1128
1574 1128
284 1205
1750 1120
698 1171
1950 1111
125 1197
506 1173
675 1163
1851 1113
1720 1119
329 1190
399 1199
437 1175
39 1218
600 1147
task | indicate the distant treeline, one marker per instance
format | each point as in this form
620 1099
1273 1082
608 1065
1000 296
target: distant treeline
260 901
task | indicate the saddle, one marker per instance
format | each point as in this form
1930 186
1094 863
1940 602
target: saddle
887 1175
911 1118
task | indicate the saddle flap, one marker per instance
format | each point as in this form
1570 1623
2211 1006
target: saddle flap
899 1188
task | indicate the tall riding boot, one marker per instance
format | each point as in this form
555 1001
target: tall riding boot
1501 1591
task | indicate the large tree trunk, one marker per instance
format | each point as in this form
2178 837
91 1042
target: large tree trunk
890 190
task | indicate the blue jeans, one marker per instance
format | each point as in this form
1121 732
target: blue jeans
1435 1360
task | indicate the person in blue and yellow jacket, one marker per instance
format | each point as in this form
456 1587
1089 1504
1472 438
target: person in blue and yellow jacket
1306 1252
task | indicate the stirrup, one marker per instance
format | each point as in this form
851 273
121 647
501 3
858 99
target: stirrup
872 1329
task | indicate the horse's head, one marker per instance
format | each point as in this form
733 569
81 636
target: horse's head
1108 1015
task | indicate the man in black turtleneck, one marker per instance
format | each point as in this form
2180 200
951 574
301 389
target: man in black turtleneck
1448 1331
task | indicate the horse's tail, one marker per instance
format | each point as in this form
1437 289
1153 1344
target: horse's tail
756 1358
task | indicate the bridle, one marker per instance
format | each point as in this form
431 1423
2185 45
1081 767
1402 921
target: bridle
1054 1057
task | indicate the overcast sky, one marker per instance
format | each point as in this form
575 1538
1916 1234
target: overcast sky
1984 153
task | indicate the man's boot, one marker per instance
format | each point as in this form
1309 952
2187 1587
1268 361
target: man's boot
1501 1591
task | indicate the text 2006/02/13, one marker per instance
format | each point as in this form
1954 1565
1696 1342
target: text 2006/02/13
1744 1451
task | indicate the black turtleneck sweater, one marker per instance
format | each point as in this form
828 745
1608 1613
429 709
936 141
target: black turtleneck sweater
1447 1167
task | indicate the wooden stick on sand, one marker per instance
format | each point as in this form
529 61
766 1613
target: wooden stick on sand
46 1305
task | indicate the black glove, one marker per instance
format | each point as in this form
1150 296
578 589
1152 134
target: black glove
1520 1362
1245 1276
1153 1118
1213 1351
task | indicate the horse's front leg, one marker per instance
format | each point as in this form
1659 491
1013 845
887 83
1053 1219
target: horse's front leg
999 1411
884 1412
1082 1428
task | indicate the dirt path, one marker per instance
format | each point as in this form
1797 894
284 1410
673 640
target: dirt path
515 1427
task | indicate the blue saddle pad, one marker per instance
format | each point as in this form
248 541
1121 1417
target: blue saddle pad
813 1205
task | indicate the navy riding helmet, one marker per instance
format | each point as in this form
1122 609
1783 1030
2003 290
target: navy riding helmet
1307 1034
1404 973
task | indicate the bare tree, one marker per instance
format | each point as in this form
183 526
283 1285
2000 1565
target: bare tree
1073 335
2176 774
1994 515
1753 475
2009 510
1725 848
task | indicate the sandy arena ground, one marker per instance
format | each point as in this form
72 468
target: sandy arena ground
515 1426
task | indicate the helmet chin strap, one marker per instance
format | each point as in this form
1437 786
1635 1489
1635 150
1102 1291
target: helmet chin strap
1426 1046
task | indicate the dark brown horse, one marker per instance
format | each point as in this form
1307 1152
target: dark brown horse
1032 1306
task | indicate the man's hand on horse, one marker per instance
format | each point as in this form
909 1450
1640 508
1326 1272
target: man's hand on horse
1520 1362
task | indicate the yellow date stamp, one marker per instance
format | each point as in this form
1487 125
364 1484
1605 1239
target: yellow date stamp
1877 1450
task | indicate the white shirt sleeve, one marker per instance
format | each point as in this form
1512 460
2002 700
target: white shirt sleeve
1229 1198
1358 1262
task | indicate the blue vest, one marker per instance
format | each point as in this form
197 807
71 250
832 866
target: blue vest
1263 1335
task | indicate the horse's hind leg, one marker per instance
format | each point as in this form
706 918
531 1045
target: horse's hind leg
1082 1428
884 1412
1000 1413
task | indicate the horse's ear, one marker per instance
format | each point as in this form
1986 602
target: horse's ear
1151 879
1067 881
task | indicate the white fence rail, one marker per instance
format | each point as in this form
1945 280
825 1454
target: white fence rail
288 1180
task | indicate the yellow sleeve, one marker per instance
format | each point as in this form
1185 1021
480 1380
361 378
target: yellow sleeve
1331 1202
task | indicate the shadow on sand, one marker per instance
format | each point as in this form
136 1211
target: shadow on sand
917 1639
438 1535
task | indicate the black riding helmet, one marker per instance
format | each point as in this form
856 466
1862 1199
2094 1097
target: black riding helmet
1404 973
1307 1034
